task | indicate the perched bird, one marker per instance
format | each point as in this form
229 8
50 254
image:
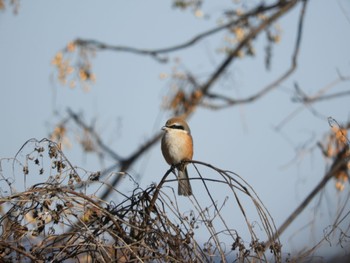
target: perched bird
177 147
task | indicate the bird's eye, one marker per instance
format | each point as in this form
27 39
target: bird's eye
176 126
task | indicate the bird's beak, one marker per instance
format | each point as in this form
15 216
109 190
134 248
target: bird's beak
164 128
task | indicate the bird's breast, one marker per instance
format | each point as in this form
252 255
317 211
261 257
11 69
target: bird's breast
177 146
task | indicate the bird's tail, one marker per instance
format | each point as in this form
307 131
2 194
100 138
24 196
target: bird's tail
184 183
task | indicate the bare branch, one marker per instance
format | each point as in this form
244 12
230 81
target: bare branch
339 164
318 96
22 251
100 143
231 102
303 98
127 162
156 52
123 164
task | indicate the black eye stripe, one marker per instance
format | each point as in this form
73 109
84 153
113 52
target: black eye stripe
176 126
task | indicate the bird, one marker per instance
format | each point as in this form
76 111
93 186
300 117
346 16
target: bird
177 147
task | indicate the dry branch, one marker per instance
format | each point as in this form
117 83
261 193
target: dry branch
98 45
53 221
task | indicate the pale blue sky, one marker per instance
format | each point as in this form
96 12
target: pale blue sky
128 88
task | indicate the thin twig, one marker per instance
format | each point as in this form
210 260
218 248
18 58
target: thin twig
156 52
231 102
337 164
